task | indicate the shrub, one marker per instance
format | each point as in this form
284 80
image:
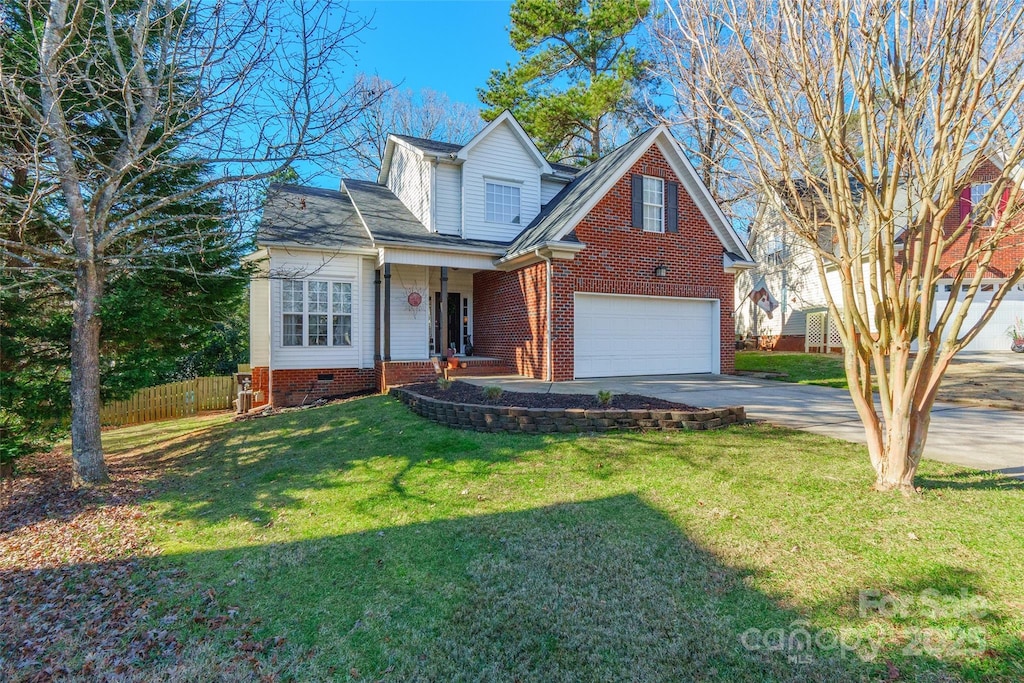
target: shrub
492 392
444 384
604 397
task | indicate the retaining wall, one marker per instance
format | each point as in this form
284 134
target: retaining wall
564 420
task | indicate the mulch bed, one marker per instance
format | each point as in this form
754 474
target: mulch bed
463 392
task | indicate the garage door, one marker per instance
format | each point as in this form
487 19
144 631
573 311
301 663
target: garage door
644 335
992 336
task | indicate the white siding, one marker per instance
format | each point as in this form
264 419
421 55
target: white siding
448 211
500 157
319 266
367 309
794 282
410 332
409 179
259 323
548 189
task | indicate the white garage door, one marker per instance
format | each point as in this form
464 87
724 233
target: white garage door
993 335
644 335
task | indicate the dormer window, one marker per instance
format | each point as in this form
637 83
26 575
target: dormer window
502 203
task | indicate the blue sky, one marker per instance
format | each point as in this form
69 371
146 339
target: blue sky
449 46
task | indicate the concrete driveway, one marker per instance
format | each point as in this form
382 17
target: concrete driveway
983 438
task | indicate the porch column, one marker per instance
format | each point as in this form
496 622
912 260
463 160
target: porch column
387 311
444 310
376 314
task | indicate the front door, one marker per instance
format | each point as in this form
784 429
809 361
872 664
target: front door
454 321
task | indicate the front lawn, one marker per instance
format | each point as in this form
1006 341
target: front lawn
360 542
802 368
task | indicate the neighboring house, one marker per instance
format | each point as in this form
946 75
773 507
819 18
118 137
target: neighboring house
625 267
786 263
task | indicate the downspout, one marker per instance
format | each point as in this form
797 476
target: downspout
550 370
270 333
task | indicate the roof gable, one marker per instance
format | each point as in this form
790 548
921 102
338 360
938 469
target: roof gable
572 204
506 119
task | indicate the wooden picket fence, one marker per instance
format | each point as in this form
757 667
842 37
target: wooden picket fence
178 399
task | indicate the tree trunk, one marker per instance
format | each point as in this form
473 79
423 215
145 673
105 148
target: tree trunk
88 467
905 435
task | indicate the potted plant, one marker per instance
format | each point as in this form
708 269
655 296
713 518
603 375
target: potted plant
1016 334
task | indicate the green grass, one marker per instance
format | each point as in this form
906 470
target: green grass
801 368
375 545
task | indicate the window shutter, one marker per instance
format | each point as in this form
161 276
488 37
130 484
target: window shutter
671 207
1003 201
965 205
638 201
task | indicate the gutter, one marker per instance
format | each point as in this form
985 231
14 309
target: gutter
550 370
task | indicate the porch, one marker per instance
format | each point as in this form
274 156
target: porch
424 310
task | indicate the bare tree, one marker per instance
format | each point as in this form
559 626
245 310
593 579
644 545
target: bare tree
391 109
106 100
685 101
864 120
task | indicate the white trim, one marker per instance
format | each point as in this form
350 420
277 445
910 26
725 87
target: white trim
528 144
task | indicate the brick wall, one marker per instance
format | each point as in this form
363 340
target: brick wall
1007 257
620 259
298 387
395 373
510 317
260 383
509 310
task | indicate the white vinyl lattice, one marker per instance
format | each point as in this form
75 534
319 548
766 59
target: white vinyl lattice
822 334
815 331
835 342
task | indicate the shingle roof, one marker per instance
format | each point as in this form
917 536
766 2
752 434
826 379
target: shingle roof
565 168
439 147
390 222
432 146
311 216
564 205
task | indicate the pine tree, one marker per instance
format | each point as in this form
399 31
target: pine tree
579 70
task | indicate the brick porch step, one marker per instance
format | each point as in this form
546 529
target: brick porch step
477 367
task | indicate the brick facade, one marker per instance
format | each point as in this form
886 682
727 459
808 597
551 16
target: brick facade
510 316
394 373
1007 257
299 387
620 259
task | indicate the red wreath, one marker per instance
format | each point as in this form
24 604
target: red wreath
415 299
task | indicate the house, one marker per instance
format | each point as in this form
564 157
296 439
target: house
786 265
625 267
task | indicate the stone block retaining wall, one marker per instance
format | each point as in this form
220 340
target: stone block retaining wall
568 420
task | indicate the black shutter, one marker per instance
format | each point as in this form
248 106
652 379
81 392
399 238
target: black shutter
671 207
638 201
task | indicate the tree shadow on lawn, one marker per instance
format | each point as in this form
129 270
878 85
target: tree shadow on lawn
608 589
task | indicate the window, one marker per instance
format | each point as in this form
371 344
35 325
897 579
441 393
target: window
341 313
978 192
316 313
654 204
774 252
502 203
